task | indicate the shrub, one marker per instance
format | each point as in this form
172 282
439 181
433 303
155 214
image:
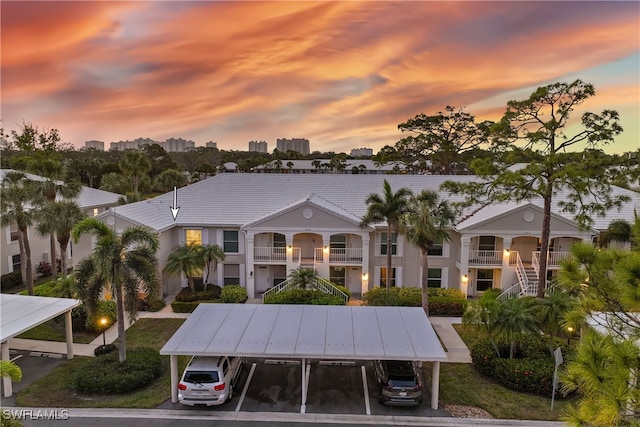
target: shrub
155 305
44 268
11 280
104 349
184 306
106 309
447 306
107 375
233 294
531 369
212 293
303 296
59 288
443 292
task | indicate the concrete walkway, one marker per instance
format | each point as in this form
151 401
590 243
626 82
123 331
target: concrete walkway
457 351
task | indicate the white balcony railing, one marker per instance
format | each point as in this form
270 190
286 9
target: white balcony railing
345 256
269 254
485 257
554 259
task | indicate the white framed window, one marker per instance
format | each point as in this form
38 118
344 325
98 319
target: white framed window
193 236
230 242
337 275
383 243
231 274
12 233
434 277
383 277
16 262
487 243
484 279
437 249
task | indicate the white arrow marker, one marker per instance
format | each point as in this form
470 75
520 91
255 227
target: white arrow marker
175 208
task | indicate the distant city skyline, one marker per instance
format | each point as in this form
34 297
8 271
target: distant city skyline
341 74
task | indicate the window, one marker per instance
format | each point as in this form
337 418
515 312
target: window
230 241
13 233
231 274
15 262
383 243
96 211
435 249
193 237
279 241
434 277
383 277
338 241
487 243
337 275
484 280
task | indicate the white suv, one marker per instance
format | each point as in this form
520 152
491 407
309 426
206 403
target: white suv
209 380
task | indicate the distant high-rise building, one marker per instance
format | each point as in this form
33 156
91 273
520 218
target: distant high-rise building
170 145
258 146
177 145
301 145
98 145
132 145
361 152
211 144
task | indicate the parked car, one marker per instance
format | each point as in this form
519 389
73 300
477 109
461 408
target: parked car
209 380
399 382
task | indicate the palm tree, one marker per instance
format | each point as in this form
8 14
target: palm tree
618 233
426 223
125 264
136 165
59 218
390 207
10 370
515 317
552 312
302 277
186 259
56 184
211 256
19 199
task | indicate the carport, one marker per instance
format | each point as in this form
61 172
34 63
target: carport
307 332
19 313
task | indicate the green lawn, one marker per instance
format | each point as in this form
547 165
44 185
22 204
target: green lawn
54 389
54 330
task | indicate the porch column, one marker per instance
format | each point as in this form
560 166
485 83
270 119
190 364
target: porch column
464 264
289 252
173 367
6 381
69 334
366 273
506 255
249 267
323 267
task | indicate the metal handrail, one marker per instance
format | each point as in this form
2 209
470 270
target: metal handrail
282 286
328 287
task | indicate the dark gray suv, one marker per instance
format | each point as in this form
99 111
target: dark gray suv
399 382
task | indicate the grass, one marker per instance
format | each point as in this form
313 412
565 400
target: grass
54 330
54 389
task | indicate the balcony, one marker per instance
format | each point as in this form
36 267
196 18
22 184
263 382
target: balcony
339 256
274 255
554 259
485 258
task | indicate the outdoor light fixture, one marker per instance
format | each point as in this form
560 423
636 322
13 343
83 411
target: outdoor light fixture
289 248
570 332
507 252
326 249
104 321
465 278
251 274
365 276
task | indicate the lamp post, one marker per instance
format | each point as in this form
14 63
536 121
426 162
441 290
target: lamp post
570 331
104 321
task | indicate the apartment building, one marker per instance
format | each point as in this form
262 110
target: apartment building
271 224
301 145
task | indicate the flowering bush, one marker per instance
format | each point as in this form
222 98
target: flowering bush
44 268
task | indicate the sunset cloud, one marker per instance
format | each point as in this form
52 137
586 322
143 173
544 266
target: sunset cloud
342 74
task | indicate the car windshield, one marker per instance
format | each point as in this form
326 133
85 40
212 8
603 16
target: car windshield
402 381
201 377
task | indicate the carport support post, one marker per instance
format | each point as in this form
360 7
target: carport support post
435 385
6 381
173 367
303 407
69 334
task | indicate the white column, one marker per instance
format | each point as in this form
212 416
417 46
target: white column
173 367
69 334
465 243
435 385
366 269
323 267
289 252
6 381
249 267
506 254
303 406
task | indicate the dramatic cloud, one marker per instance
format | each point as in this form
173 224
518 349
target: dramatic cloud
342 74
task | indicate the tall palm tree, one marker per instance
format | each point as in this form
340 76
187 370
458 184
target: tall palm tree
135 165
59 218
186 259
56 184
390 207
426 223
211 256
19 200
125 264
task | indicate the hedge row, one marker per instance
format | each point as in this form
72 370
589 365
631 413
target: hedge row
11 280
186 294
107 375
531 369
233 294
303 296
442 302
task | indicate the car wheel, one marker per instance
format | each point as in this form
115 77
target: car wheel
230 395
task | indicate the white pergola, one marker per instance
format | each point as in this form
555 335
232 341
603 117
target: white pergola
19 313
307 332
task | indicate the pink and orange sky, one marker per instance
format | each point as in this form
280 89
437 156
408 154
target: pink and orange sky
342 74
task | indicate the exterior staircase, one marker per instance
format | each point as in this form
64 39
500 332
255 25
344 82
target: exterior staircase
320 284
527 284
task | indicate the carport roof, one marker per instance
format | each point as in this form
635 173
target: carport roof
307 331
19 313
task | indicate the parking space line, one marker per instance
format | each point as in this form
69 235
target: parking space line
246 387
367 404
16 358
